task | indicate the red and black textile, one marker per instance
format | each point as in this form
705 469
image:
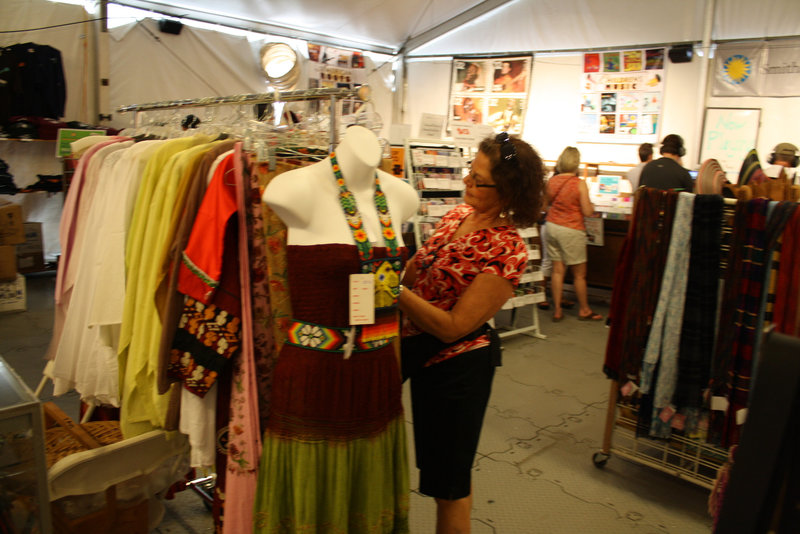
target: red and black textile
776 225
741 302
319 395
208 336
637 282
785 313
700 307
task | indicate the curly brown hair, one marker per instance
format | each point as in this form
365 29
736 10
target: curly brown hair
519 179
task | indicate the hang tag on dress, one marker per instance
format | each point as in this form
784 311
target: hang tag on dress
362 298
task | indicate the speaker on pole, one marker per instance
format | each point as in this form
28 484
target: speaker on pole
681 53
170 26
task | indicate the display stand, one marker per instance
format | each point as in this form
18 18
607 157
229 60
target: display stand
529 292
434 169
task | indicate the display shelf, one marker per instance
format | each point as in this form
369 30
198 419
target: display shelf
530 290
435 169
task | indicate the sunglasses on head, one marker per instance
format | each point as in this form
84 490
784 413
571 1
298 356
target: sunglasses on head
507 150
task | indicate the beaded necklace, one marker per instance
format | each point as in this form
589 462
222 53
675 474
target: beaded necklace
386 270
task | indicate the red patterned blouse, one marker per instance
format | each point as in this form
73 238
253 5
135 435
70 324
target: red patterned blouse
446 267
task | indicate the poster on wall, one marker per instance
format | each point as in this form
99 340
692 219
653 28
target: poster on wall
621 95
335 68
490 91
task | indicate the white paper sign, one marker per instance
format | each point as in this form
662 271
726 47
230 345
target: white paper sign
431 125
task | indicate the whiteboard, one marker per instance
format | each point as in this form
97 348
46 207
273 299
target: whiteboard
728 135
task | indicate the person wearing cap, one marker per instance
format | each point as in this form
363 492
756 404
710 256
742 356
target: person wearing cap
667 172
645 156
784 159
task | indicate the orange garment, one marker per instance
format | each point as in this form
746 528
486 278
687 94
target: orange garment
565 201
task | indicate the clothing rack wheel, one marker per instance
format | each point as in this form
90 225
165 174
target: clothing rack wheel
687 458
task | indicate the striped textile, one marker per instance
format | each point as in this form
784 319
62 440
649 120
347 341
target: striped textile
738 317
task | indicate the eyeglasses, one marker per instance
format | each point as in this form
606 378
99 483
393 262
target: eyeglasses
507 150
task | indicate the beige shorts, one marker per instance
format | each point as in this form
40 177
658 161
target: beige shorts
566 245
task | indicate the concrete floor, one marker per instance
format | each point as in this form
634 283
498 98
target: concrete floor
534 471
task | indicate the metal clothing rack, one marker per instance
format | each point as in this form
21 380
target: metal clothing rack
324 93
686 458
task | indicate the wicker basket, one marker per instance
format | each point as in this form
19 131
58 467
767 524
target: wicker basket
64 437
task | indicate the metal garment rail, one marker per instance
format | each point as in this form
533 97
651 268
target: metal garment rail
331 94
686 458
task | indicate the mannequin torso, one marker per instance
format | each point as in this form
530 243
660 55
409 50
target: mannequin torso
307 199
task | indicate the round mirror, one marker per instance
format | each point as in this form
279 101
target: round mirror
280 65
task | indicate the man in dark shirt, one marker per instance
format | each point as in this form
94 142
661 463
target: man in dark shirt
667 172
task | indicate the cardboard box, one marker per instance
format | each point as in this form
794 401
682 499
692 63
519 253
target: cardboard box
30 254
12 295
12 231
8 263
33 239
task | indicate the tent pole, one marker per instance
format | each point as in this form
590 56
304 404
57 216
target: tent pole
702 87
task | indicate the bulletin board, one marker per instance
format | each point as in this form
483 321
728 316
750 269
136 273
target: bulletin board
728 135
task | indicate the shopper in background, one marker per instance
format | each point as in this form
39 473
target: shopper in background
645 156
459 279
784 159
667 172
568 203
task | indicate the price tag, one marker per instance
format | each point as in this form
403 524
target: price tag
719 404
678 421
666 413
628 389
362 299
741 416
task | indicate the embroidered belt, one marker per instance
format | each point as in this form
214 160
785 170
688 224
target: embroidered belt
333 339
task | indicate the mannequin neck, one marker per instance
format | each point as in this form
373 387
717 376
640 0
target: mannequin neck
358 154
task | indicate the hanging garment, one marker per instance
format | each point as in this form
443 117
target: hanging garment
244 434
633 307
664 339
700 308
86 357
738 317
143 409
169 301
786 315
208 333
778 216
335 445
42 90
69 231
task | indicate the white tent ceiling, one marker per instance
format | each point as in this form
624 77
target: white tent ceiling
450 27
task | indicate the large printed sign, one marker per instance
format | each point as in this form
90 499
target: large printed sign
621 96
491 91
757 69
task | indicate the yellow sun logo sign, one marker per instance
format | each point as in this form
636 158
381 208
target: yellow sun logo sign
737 68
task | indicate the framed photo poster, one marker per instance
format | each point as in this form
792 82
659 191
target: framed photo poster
621 96
491 91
